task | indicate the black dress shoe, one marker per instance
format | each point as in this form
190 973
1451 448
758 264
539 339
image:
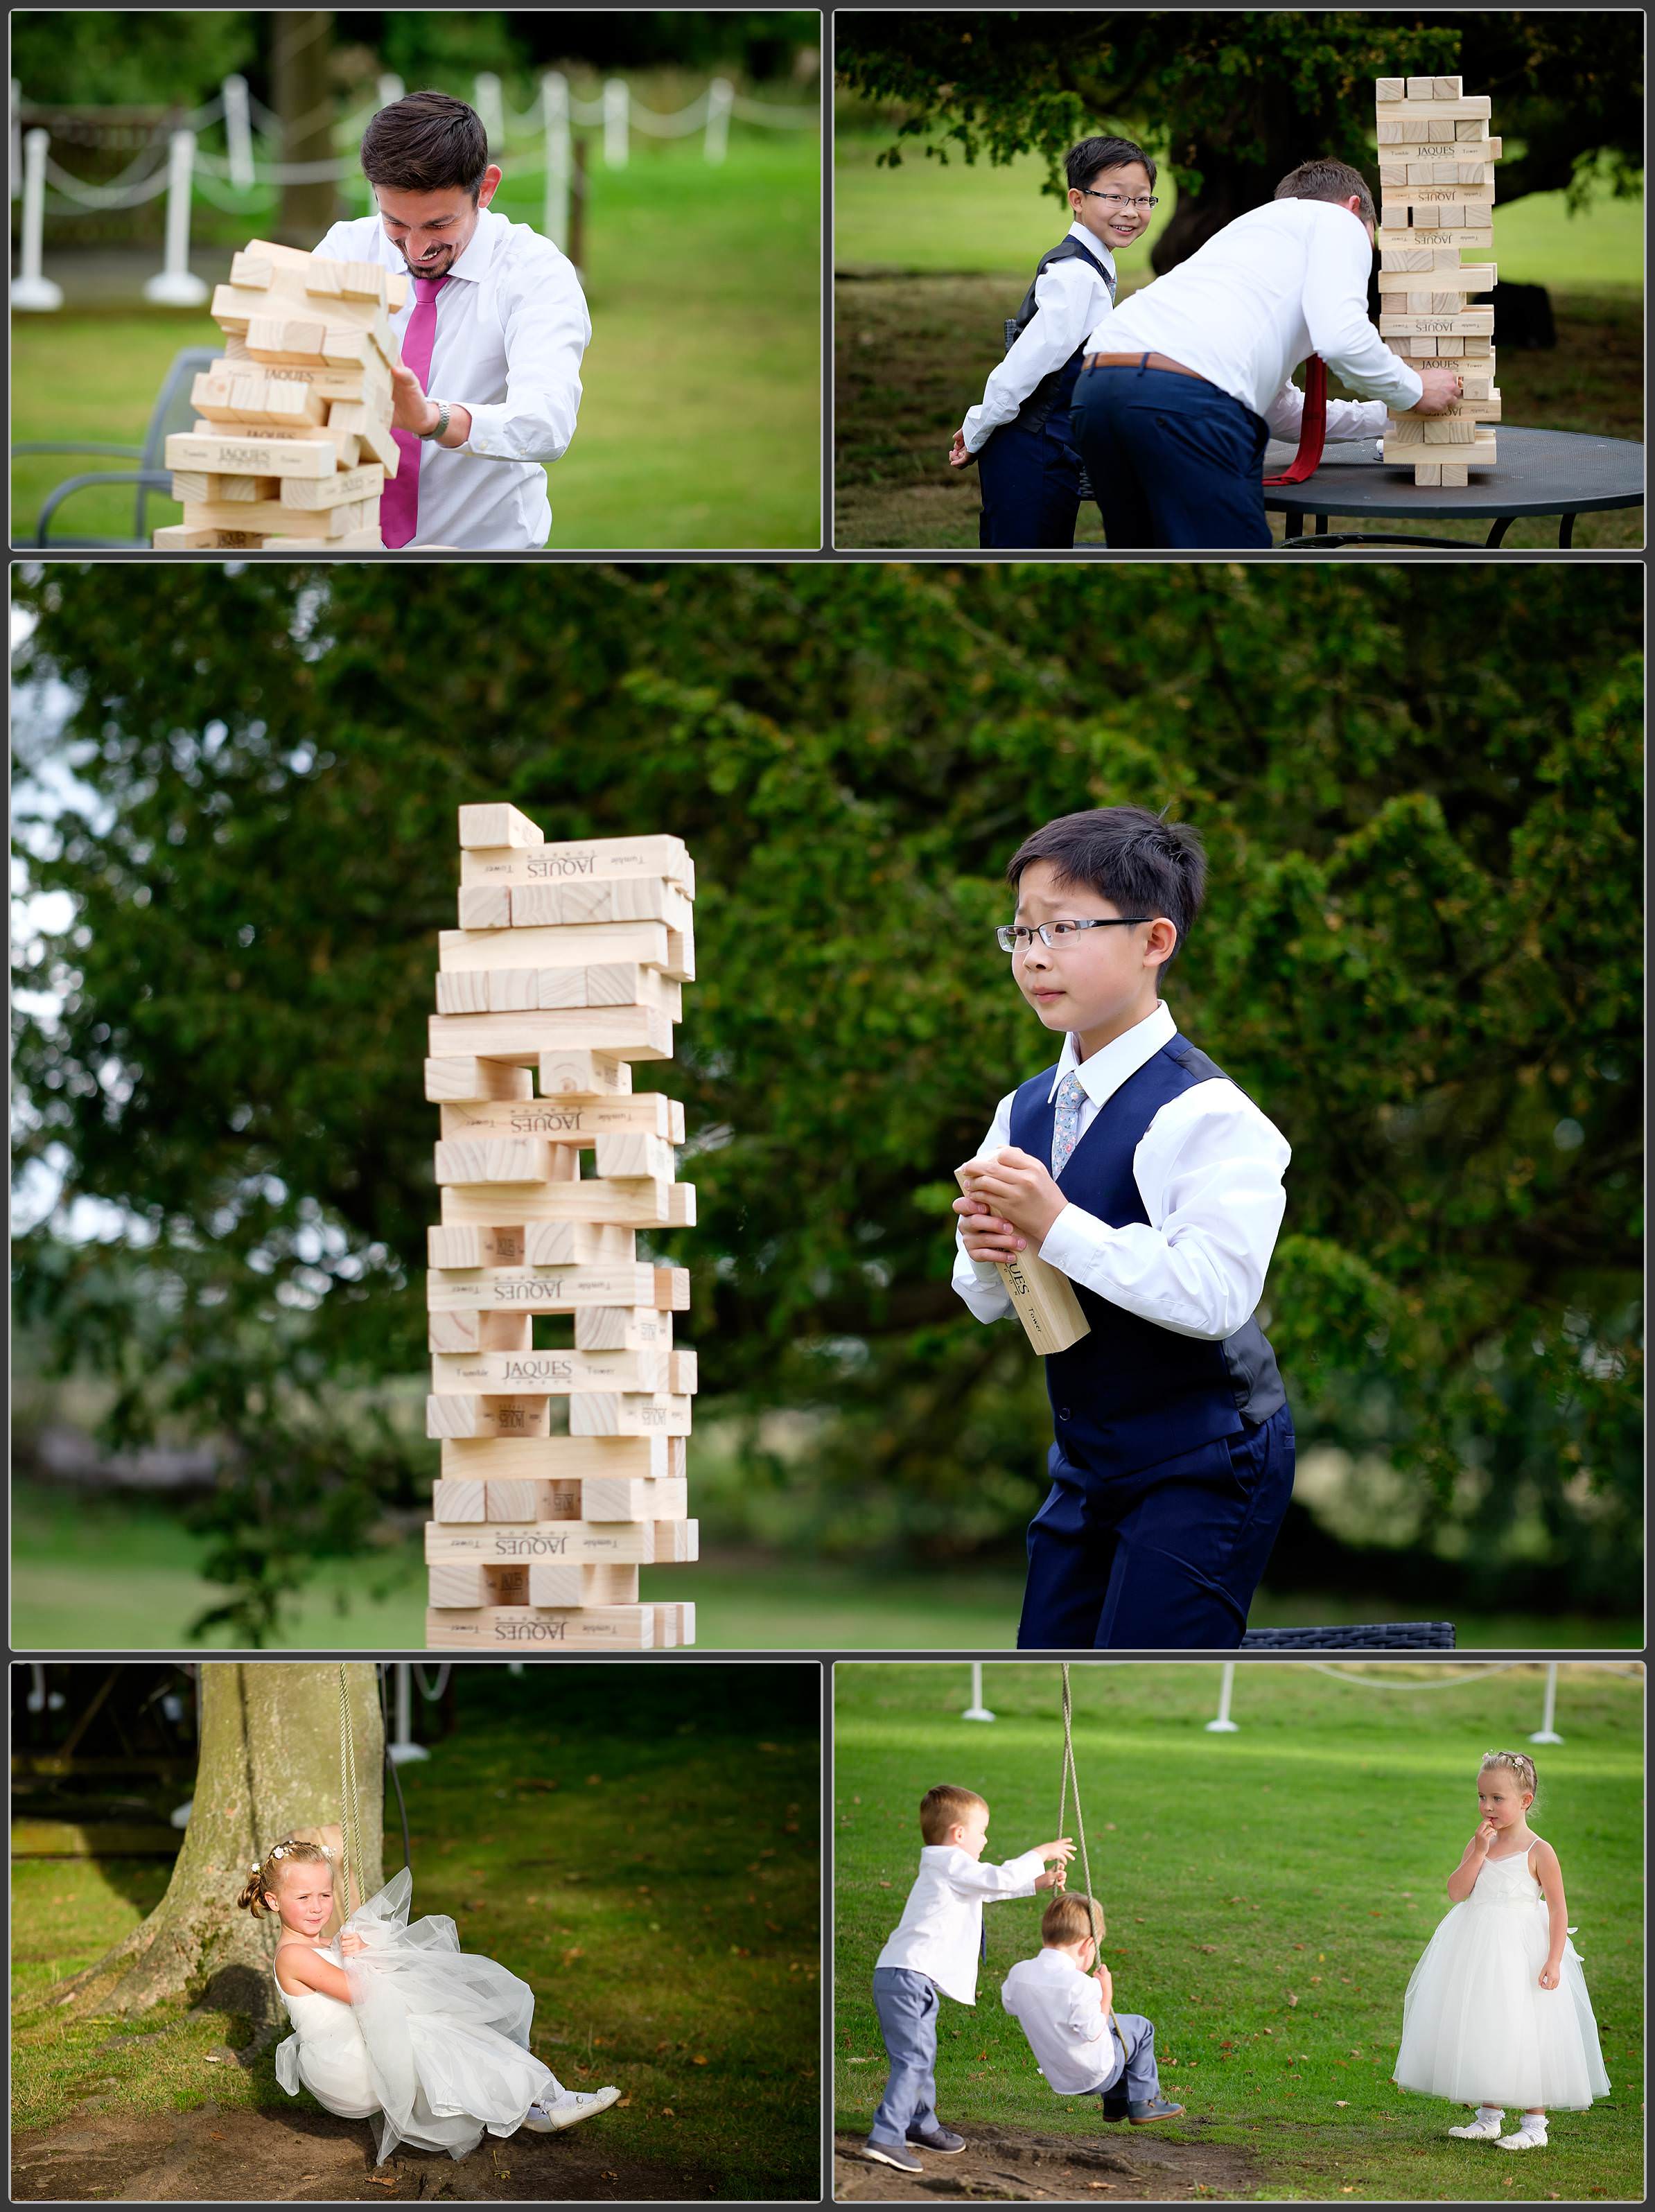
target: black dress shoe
1115 2108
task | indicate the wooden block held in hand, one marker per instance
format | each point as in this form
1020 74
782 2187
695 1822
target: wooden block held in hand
1043 1298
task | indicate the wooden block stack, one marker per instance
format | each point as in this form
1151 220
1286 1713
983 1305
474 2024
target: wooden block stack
292 443
1437 201
569 960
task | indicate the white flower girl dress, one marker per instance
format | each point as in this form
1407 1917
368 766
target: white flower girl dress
1477 2026
433 2043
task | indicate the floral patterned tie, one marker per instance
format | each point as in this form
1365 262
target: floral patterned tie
1066 1124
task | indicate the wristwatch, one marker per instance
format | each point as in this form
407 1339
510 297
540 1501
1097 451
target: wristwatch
439 428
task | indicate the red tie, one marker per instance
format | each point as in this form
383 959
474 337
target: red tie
1313 425
400 502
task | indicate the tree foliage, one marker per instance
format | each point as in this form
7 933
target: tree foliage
1233 102
1421 956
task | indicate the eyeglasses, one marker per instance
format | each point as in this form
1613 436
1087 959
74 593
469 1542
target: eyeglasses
1017 936
1120 200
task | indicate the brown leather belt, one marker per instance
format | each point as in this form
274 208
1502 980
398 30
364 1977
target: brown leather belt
1141 360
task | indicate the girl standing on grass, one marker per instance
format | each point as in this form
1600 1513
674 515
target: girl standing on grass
397 2023
1496 2008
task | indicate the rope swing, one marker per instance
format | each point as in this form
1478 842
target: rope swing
351 1835
1072 1781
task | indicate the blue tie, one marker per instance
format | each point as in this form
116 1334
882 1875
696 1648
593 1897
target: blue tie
1066 1122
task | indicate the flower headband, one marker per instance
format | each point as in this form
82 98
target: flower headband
281 1852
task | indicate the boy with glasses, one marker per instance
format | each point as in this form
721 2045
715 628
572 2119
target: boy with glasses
1137 1168
1019 435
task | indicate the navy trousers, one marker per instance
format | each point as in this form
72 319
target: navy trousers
1030 482
1176 462
1164 1557
907 2005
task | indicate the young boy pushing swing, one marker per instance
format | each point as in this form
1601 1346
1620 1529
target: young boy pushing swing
1138 1169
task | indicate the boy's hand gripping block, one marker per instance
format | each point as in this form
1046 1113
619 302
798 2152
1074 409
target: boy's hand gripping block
1044 1299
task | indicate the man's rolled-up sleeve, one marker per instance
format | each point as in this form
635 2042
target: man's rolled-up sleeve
546 332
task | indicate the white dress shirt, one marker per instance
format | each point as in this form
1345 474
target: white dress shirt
512 326
1070 299
940 1931
1208 1169
1278 284
1060 2010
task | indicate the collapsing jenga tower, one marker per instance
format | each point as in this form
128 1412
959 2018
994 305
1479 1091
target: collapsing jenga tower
292 443
568 959
1436 195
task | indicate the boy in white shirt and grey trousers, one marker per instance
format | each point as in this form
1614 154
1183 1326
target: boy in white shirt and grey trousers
1064 2001
936 1946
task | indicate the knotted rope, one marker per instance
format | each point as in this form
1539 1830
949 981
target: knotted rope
351 1837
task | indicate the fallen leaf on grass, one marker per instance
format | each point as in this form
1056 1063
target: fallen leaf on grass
1292 1999
699 2060
1341 2104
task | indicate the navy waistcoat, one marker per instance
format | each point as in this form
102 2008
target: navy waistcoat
1048 402
1132 1393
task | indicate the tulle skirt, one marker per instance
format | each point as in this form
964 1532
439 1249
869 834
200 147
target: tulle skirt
1477 2026
434 2040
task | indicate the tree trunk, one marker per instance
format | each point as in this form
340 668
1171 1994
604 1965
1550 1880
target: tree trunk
300 43
268 1768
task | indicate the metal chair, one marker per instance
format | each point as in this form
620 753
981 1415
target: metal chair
173 411
1377 1635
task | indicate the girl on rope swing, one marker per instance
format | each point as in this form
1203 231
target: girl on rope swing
394 2022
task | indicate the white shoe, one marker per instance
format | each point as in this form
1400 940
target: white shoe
1480 2130
569 2110
1526 2138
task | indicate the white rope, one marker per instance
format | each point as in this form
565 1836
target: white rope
671 126
1070 1776
105 195
443 1673
1456 1682
350 1836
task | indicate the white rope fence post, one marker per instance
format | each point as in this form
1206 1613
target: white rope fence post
36 294
976 1711
175 287
721 99
1547 1733
405 1748
618 101
487 99
16 140
238 132
1224 1725
554 116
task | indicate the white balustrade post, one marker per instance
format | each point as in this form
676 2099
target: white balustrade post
487 99
16 140
1224 1725
721 99
554 114
1546 1732
389 90
34 293
175 287
405 1748
976 1711
238 132
617 102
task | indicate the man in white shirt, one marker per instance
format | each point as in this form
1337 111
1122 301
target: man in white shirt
1063 1999
1171 1463
936 1946
1182 387
1018 434
492 334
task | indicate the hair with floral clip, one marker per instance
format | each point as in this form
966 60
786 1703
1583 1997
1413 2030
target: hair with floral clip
258 1889
1515 1762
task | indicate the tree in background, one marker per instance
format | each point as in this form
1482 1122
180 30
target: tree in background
268 1768
1234 101
1421 956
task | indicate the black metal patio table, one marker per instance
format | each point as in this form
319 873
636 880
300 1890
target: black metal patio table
1560 473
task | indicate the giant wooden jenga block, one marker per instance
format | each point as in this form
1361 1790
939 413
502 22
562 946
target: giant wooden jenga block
1042 1296
562 1461
292 442
1436 202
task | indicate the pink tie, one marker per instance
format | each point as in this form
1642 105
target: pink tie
400 503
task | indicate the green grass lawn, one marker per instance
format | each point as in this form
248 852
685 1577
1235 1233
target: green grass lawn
120 1573
700 426
931 259
645 1856
1270 1944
